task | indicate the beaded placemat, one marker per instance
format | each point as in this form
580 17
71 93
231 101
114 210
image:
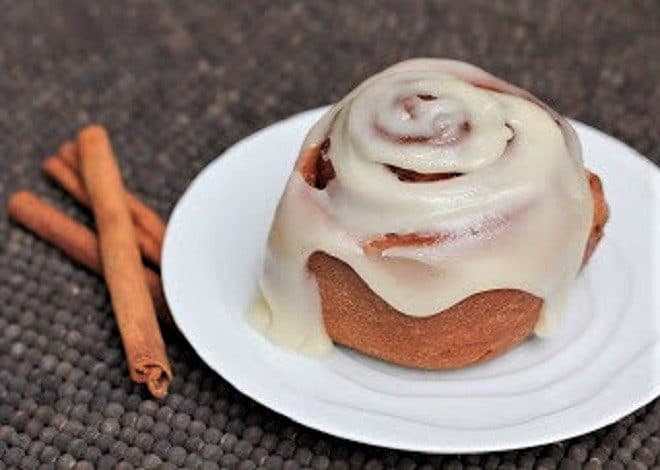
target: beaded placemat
176 83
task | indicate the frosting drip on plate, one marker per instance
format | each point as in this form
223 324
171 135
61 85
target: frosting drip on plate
434 181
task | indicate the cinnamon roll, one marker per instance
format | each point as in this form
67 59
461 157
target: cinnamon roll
436 216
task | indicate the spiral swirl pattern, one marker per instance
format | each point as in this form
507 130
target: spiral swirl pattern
433 180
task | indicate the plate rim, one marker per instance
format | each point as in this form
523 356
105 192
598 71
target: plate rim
286 409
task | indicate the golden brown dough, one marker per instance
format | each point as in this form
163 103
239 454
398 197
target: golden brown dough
477 328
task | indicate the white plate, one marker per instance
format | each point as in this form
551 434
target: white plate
604 363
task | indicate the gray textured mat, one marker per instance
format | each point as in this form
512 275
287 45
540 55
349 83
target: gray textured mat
176 83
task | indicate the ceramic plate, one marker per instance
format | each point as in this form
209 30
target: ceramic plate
603 364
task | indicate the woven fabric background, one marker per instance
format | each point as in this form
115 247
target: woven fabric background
178 82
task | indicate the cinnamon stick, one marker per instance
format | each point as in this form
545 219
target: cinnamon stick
121 262
69 154
61 172
73 239
143 215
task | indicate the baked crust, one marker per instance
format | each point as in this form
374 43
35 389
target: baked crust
478 328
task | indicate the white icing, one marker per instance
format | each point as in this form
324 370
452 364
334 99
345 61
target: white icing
518 217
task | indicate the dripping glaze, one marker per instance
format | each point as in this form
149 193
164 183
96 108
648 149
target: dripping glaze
480 183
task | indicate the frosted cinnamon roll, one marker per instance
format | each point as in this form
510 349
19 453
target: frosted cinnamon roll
436 216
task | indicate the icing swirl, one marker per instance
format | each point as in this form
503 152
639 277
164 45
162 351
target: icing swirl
433 180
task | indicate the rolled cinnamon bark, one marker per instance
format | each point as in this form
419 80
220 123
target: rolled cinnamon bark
58 169
69 154
143 215
73 239
122 265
